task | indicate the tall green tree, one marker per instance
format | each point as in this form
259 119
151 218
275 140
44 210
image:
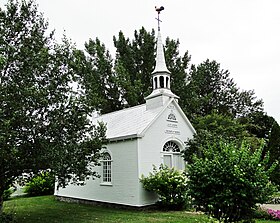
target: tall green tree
214 128
135 60
97 77
43 121
126 81
274 151
210 89
258 124
179 67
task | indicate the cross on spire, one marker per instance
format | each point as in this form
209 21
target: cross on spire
159 9
160 76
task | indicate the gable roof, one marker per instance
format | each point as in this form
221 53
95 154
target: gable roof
133 122
127 123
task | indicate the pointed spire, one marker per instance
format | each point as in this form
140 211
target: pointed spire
160 59
161 93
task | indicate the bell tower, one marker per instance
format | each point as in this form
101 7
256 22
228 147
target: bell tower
160 76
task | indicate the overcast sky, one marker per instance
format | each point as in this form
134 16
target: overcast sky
242 35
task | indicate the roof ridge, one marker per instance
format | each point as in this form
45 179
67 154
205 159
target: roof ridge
121 110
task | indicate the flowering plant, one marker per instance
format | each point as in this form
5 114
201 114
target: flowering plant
274 213
171 186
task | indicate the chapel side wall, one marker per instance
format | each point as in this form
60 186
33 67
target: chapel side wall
124 188
150 146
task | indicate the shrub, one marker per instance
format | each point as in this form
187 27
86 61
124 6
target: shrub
7 193
275 214
7 218
40 184
262 213
228 181
170 185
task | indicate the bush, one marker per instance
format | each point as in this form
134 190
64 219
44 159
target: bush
7 218
262 213
40 184
170 185
275 214
7 193
228 181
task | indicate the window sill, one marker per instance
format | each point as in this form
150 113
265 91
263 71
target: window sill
106 184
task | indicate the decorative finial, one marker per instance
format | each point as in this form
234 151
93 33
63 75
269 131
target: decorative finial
159 9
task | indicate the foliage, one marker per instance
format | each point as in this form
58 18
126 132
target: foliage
170 185
261 213
179 68
213 128
40 184
7 218
274 149
274 213
44 122
134 64
111 85
258 124
228 181
275 198
266 127
97 78
210 89
7 193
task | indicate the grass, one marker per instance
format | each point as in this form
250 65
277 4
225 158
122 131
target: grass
47 209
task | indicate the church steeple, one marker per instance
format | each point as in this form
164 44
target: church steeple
160 76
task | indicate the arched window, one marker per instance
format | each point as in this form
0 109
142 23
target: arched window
171 147
161 81
155 83
106 168
172 156
167 82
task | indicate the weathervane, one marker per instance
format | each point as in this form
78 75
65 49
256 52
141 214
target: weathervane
159 9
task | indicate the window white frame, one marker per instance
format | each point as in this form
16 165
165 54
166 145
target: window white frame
106 168
172 156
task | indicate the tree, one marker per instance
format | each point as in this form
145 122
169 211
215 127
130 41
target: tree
97 77
126 81
179 68
258 124
213 128
228 181
210 89
43 121
274 151
134 64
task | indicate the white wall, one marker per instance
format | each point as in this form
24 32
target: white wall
150 146
124 188
131 159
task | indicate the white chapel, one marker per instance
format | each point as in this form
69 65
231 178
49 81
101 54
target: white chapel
139 137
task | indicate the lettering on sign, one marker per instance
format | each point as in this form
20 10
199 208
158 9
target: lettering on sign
172 125
173 132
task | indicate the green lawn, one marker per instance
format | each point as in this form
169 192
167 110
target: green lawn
47 209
